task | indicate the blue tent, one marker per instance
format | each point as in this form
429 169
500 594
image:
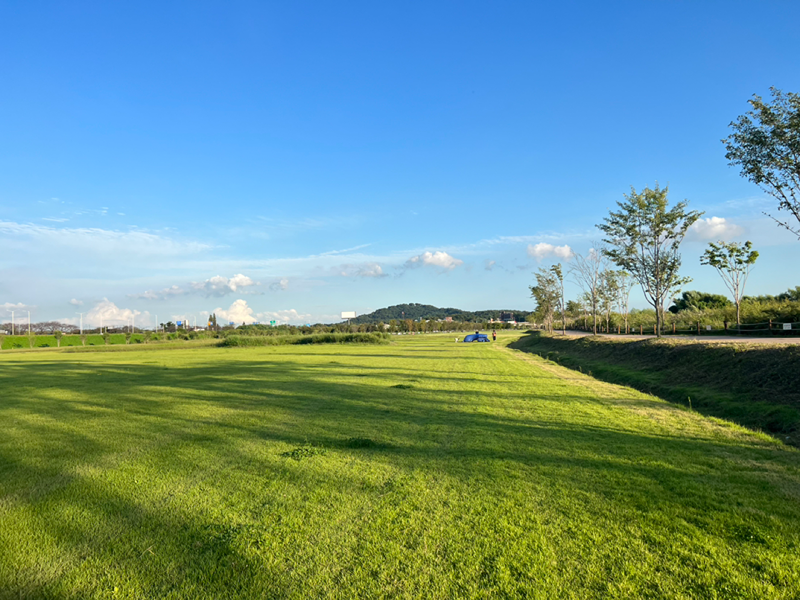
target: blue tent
476 337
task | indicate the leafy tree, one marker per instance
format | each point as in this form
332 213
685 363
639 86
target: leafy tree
608 292
733 261
698 301
558 273
587 272
644 239
791 294
765 144
546 293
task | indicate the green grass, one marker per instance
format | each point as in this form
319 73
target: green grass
422 469
755 385
320 338
13 342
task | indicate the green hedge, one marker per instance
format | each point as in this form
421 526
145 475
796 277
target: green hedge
116 338
71 340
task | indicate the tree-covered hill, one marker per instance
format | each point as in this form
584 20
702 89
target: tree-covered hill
427 311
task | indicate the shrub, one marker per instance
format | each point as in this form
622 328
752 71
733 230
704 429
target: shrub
116 338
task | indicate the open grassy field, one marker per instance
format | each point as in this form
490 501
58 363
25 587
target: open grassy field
422 469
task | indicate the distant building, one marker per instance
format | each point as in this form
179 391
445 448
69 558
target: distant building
448 319
507 317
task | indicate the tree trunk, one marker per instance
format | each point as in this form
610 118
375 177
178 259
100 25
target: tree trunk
738 318
658 322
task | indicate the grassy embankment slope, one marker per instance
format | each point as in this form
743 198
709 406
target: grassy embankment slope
755 385
419 469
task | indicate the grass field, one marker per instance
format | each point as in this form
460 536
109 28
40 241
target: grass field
422 469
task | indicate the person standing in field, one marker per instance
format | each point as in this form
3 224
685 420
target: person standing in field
494 335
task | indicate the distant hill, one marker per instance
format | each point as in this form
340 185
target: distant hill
426 311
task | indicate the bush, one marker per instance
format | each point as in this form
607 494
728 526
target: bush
116 338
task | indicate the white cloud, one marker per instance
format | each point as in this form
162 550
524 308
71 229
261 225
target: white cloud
490 264
277 286
106 312
168 292
101 242
434 259
714 228
18 308
216 286
543 250
76 302
237 313
363 270
222 286
284 317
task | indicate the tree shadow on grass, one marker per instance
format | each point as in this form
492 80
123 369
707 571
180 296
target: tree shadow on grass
82 439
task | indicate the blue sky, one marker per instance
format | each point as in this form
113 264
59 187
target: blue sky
289 161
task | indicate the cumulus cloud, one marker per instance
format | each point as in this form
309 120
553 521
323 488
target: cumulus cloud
237 313
284 317
279 285
106 312
363 270
222 286
714 228
543 250
76 302
490 264
438 259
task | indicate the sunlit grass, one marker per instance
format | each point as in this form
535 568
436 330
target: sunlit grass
420 469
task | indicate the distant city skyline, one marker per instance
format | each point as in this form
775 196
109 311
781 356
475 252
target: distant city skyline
277 162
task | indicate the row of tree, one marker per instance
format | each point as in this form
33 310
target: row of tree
642 238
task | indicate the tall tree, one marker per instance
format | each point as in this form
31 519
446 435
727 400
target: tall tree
644 239
765 144
558 273
733 261
546 294
587 273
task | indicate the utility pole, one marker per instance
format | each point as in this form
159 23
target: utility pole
29 323
12 322
81 314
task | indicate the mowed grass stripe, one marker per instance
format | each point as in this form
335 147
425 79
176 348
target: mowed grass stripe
420 469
